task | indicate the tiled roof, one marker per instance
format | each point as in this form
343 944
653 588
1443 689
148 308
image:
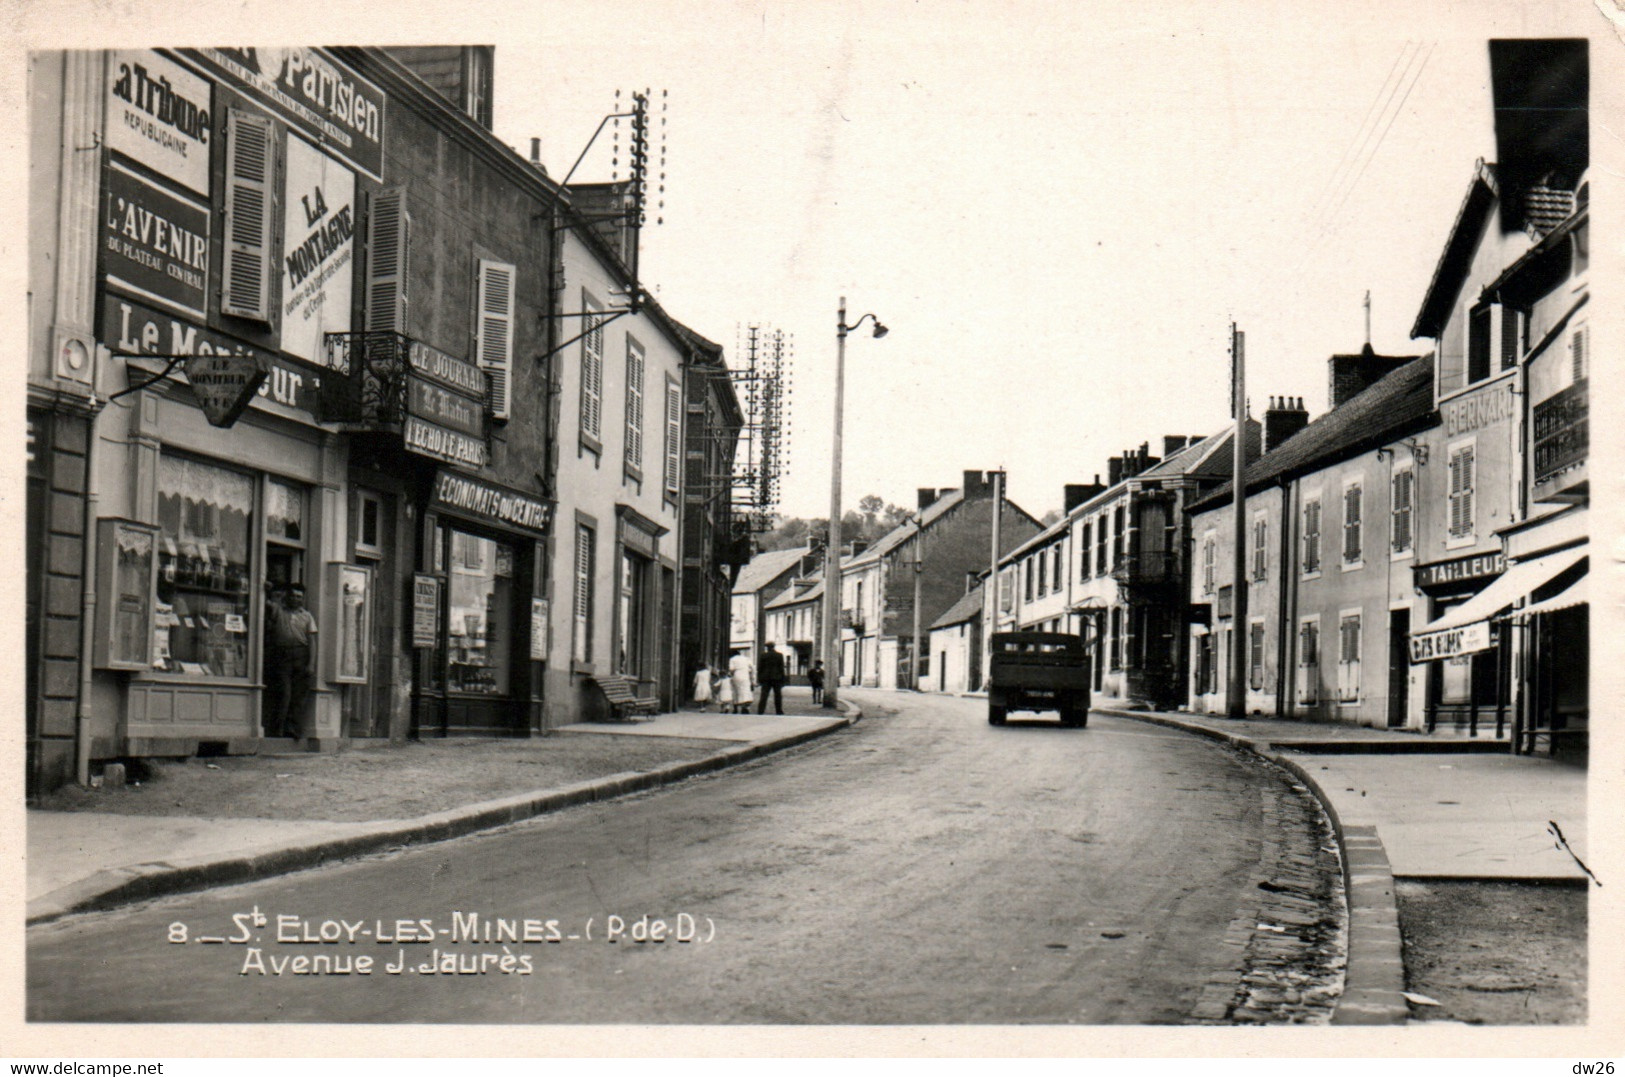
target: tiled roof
903 532
766 567
966 608
791 596
1394 405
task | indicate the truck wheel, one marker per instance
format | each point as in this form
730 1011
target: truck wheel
1075 717
995 715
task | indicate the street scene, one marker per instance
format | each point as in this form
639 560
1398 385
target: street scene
463 588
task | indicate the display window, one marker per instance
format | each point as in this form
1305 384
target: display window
480 613
205 529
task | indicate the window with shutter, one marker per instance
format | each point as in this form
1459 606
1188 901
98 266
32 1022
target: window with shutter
592 369
581 645
1255 656
1308 661
1351 525
250 166
1086 543
1511 337
1260 548
634 405
1404 483
674 435
1348 666
1311 537
1461 492
1207 564
494 332
388 241
1478 345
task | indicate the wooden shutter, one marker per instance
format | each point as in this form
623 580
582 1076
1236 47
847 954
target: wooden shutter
592 372
1511 342
388 241
1461 492
1351 523
250 166
634 404
582 645
494 332
1577 353
1311 537
1403 490
674 434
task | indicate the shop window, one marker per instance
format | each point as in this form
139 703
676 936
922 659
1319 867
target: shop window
479 615
369 524
201 620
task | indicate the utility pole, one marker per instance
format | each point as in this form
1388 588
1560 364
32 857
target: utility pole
1237 696
992 575
919 566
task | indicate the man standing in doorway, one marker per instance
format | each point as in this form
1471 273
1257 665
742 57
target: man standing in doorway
771 673
290 661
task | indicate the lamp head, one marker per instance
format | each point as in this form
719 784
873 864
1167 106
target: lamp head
880 330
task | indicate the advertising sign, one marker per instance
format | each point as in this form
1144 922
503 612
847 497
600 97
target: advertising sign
341 110
1450 642
160 115
1462 568
508 507
538 630
438 405
465 378
129 328
427 439
318 264
425 609
224 384
155 246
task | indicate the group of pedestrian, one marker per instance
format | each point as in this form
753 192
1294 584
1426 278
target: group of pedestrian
733 689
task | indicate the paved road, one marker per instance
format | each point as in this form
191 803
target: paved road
921 867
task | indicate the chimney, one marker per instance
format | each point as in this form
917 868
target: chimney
1079 492
1114 470
1351 375
858 546
1285 417
924 496
976 485
1172 443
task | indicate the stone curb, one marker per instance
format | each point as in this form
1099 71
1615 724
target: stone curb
1375 976
111 887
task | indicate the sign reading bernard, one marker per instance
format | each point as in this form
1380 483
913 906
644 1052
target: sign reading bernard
158 113
318 261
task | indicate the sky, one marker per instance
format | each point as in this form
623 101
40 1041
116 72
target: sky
1057 209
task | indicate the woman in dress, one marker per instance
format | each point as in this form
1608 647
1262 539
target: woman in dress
743 675
702 686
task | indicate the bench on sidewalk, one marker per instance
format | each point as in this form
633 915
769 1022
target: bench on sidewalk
624 702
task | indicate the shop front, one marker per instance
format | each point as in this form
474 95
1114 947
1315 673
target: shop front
479 622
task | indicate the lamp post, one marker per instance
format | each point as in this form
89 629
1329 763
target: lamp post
832 551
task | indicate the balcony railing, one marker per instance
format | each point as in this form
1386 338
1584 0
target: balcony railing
372 384
1147 568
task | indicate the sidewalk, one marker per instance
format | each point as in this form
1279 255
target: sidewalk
1413 806
227 820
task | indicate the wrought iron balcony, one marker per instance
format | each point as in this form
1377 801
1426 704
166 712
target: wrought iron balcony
1562 441
1147 568
372 383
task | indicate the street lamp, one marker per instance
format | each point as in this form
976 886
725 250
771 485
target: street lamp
832 551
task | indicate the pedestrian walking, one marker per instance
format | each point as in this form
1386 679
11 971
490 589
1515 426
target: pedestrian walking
724 690
743 675
702 686
771 672
815 677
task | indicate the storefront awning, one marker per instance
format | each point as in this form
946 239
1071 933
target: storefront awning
1577 594
1465 628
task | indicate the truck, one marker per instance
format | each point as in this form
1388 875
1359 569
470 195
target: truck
1039 671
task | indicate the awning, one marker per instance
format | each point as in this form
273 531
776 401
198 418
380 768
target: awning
1577 594
1465 629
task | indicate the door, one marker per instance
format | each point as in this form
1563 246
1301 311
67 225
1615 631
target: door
1399 666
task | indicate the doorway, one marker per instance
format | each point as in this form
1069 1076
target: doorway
1399 666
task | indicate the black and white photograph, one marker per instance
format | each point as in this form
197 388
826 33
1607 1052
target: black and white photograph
811 529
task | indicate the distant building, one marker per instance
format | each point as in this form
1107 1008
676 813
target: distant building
956 647
766 577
